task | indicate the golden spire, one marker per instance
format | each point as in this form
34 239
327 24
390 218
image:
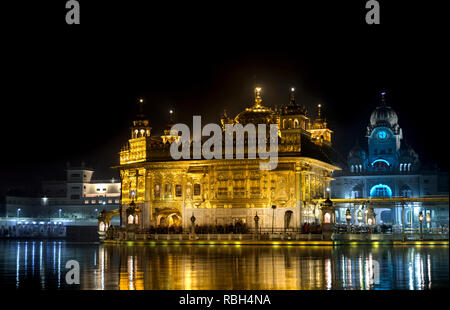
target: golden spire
258 99
141 106
319 116
292 95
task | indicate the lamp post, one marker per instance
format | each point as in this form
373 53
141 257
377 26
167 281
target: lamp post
256 218
420 221
193 223
348 217
44 203
59 213
273 215
18 214
360 217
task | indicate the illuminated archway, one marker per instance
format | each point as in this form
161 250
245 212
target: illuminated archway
174 220
380 165
380 190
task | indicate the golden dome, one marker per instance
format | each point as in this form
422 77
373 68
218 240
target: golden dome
257 114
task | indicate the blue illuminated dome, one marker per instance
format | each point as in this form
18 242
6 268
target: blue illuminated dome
383 116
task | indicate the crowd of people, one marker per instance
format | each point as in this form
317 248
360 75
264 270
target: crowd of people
312 228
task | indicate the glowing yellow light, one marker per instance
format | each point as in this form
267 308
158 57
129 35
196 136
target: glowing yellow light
171 111
292 89
258 89
141 100
319 105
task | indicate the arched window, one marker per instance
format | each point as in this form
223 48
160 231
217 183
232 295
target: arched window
352 168
296 123
380 190
157 191
401 167
284 124
130 219
356 191
360 168
405 191
409 167
380 165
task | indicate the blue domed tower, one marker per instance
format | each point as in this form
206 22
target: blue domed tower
384 139
387 167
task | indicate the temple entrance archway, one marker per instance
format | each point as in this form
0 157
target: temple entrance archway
174 219
168 218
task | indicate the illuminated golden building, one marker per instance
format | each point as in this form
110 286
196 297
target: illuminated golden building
320 133
163 191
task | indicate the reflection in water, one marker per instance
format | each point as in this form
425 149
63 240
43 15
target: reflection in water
223 267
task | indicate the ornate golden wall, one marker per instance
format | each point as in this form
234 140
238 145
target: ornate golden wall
221 191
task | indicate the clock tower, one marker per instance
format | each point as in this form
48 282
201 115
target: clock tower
384 138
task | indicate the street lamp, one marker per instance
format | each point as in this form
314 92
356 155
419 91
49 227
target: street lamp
193 223
256 218
360 217
348 217
18 213
59 213
273 215
420 221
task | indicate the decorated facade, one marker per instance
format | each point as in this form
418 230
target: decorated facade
158 191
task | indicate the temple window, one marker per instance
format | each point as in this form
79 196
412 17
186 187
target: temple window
222 191
406 193
197 189
157 191
380 165
380 190
355 194
168 190
178 190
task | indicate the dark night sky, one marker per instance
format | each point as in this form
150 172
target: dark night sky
70 92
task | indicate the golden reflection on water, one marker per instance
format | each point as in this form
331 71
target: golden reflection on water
261 268
41 265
